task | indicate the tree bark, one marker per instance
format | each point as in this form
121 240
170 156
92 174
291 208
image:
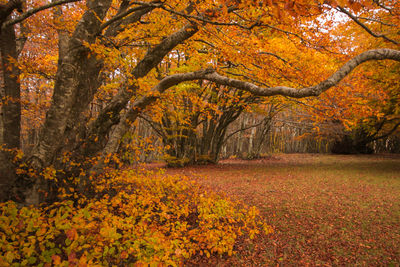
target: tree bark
72 74
10 109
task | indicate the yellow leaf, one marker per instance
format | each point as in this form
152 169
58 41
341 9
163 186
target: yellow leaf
10 256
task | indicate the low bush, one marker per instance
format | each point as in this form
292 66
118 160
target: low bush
135 218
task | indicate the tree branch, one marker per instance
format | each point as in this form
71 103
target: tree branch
386 134
356 20
109 116
211 75
274 55
382 6
33 11
376 54
147 6
205 20
241 130
378 21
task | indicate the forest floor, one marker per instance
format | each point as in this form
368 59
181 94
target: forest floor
325 209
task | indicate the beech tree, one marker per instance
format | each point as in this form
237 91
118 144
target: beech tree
108 47
365 107
194 121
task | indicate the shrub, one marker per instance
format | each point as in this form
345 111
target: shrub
136 217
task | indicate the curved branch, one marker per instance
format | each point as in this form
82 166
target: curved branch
375 54
386 134
110 116
119 17
241 130
356 20
33 11
122 17
211 75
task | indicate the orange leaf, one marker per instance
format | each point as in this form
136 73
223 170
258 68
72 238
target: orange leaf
56 259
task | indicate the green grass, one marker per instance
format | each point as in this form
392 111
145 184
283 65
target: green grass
325 209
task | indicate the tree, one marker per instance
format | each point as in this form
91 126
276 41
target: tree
238 44
194 120
365 108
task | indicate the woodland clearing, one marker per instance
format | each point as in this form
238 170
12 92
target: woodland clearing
325 209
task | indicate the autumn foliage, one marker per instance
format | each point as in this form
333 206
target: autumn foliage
136 217
76 76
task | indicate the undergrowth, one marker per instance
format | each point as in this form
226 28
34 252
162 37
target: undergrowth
136 218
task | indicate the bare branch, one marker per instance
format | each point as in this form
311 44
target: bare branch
386 134
356 20
212 75
274 55
33 11
121 15
378 21
382 6
242 130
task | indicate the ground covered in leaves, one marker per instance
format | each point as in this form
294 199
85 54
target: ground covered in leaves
325 209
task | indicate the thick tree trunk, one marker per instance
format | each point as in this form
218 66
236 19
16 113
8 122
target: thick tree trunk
11 109
7 175
72 78
10 126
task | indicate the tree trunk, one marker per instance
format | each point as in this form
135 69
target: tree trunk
10 126
11 109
